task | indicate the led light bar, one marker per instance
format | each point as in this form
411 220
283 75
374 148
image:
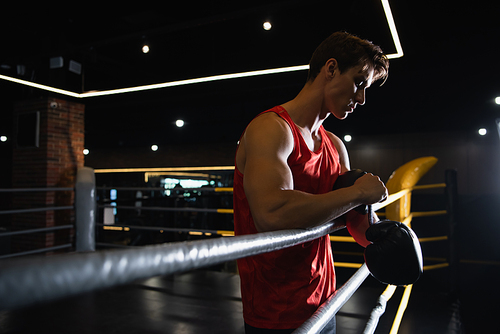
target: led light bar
394 31
193 81
390 21
39 86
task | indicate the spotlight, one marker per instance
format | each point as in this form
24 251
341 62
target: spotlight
482 131
86 151
347 138
179 123
267 25
154 148
497 100
3 138
145 48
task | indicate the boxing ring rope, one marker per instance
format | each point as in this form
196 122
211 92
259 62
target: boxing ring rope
215 189
36 230
27 281
24 282
150 208
332 305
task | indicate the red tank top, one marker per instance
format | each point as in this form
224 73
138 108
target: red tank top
282 289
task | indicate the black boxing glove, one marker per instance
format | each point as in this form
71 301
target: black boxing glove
347 179
395 256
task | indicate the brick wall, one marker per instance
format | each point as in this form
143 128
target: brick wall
53 163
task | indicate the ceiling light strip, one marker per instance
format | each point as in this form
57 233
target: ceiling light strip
390 21
394 31
39 86
194 81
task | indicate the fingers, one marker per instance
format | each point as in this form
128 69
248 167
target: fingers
385 191
372 188
385 195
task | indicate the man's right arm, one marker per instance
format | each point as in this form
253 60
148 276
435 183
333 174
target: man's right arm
268 182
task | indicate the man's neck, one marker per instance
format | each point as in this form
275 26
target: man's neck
306 109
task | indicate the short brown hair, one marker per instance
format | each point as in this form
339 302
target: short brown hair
349 51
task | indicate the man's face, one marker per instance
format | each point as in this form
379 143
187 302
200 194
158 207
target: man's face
346 90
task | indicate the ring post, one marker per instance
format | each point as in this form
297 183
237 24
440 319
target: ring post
405 177
85 209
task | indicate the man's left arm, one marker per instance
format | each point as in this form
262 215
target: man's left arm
356 223
392 251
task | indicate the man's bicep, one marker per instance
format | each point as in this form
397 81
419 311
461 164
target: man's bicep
267 147
264 175
264 182
266 170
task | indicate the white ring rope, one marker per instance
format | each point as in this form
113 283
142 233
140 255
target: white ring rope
28 281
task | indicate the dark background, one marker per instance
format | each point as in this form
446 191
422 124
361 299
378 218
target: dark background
447 78
446 82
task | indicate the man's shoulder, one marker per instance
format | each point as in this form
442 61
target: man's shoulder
269 114
341 149
268 121
268 133
337 142
334 138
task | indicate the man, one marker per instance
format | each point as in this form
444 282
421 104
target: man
286 166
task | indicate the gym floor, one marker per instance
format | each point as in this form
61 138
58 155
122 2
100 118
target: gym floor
205 301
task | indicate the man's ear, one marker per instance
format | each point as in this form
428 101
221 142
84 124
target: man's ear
331 68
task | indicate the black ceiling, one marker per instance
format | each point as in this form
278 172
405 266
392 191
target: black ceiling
446 79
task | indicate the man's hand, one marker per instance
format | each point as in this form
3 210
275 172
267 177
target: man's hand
371 188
